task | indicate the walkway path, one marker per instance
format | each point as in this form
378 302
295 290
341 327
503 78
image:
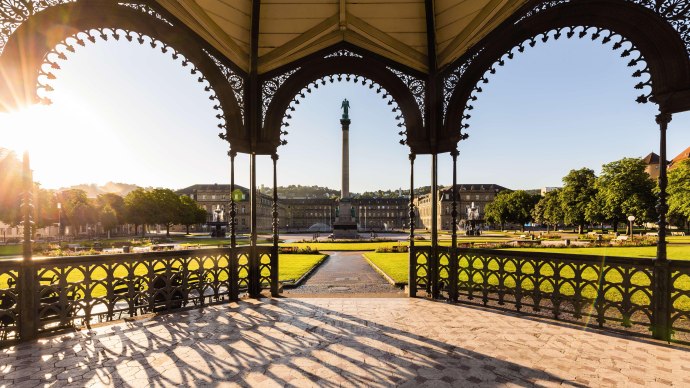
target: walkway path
345 272
331 342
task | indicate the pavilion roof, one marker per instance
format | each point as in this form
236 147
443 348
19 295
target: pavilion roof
291 29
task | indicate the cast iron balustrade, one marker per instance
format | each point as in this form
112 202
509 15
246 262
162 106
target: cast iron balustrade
611 292
77 291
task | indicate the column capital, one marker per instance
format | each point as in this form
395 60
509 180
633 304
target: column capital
232 153
454 153
274 157
412 157
663 118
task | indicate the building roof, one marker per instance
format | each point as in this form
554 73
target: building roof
290 30
210 187
651 158
477 187
681 156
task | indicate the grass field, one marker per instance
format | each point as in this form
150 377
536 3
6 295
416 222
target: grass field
10 250
291 267
394 265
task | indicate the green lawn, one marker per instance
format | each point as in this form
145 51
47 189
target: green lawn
11 250
328 246
394 265
292 266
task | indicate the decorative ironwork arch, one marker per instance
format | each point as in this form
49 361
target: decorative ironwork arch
659 46
40 38
404 91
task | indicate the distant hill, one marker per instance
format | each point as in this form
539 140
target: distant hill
93 190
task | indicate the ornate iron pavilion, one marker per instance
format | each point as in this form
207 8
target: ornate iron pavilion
427 58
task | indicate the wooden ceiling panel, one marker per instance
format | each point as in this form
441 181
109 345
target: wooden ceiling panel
292 29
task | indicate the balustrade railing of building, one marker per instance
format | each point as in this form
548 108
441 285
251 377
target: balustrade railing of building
609 292
71 292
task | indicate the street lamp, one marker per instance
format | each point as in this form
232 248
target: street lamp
631 219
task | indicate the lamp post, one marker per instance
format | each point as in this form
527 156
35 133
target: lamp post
631 219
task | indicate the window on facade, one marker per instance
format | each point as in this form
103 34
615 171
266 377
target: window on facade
467 197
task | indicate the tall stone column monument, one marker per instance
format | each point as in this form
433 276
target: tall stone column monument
345 225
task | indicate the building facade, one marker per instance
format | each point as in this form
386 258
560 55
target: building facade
318 214
212 197
468 195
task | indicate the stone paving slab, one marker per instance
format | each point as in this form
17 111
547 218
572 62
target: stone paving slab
342 342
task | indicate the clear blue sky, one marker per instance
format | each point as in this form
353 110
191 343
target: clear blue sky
127 113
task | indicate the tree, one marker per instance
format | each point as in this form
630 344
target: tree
167 208
77 209
549 210
577 193
190 213
626 189
498 211
520 205
139 209
679 191
10 187
108 218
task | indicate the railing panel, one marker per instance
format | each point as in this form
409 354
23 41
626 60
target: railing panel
77 291
9 300
680 300
266 264
614 292
421 262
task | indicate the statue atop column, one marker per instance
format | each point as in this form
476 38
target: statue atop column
346 109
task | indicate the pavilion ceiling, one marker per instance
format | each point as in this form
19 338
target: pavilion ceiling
292 29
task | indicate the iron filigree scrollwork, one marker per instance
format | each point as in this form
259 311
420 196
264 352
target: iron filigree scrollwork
675 12
618 43
235 81
347 78
46 73
145 8
416 86
15 12
451 81
343 53
269 88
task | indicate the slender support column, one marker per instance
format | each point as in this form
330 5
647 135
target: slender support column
28 327
412 272
275 291
233 204
433 259
254 283
662 275
453 265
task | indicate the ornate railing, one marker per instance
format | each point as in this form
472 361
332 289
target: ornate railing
79 291
611 292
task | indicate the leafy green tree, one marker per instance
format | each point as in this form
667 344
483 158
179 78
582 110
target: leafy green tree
626 189
139 209
679 192
498 211
10 187
108 218
520 205
594 213
190 213
78 211
577 193
549 210
167 208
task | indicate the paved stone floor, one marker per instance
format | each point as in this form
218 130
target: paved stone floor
342 342
345 273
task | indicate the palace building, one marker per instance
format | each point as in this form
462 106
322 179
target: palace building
468 195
